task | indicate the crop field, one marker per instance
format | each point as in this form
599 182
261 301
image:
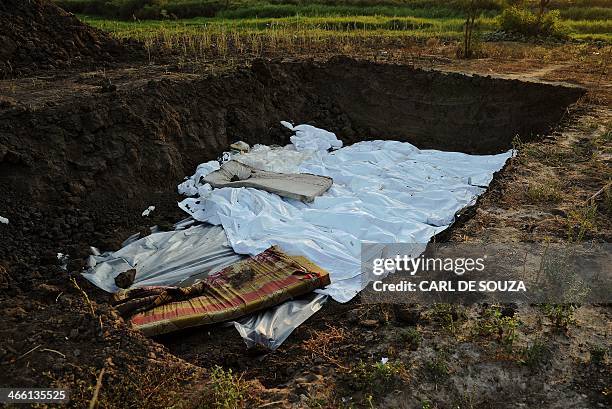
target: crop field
242 24
202 30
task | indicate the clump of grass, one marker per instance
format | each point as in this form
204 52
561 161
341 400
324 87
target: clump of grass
528 152
582 221
560 315
447 315
226 390
375 378
584 149
426 405
411 336
598 354
547 192
534 355
436 368
504 328
316 402
607 200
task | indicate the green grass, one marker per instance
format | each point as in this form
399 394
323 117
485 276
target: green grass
126 9
304 26
226 390
586 13
263 9
535 355
317 10
291 21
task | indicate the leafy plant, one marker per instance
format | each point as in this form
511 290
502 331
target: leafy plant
518 19
561 315
437 368
447 315
226 390
598 354
535 354
375 378
493 322
411 336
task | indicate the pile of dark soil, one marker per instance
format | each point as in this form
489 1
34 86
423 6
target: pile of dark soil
37 35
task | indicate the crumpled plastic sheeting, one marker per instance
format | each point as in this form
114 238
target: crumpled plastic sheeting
384 191
284 160
193 185
272 327
309 138
173 258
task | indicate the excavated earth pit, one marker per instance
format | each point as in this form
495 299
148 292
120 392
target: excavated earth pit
79 171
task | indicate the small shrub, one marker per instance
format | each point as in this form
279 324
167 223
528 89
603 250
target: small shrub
519 20
447 315
493 322
561 278
561 315
226 390
437 368
543 192
412 337
535 354
582 221
473 9
598 354
375 378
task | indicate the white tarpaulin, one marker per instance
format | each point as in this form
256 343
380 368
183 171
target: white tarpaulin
383 191
172 258
272 327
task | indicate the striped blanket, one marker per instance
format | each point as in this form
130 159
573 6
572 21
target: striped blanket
250 285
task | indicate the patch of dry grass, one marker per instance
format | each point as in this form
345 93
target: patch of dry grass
322 343
544 192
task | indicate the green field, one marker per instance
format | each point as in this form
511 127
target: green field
195 25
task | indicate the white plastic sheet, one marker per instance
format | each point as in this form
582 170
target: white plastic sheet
309 138
173 258
148 211
384 191
272 327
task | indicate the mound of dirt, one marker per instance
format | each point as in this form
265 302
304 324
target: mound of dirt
37 35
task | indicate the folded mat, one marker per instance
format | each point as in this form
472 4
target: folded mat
250 285
300 186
